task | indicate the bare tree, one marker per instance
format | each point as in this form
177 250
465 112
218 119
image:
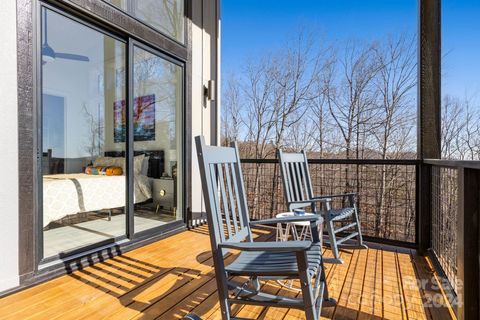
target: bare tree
350 96
395 82
453 124
469 141
355 101
232 120
278 90
95 138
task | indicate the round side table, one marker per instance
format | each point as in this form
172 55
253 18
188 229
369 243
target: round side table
283 233
284 230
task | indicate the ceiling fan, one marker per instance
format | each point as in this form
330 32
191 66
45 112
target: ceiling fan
49 55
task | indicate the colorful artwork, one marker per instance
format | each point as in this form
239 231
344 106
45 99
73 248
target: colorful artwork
143 119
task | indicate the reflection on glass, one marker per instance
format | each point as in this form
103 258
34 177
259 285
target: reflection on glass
84 185
157 138
167 16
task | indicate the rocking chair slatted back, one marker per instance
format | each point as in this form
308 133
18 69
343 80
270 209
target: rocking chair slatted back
296 184
225 200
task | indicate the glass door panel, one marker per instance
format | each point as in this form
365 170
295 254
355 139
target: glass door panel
157 165
83 104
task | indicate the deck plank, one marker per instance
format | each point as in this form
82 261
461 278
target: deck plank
370 307
337 275
436 305
411 293
392 292
350 292
159 281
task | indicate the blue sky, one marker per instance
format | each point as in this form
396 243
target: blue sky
251 27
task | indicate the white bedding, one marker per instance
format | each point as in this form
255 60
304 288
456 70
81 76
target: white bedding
66 194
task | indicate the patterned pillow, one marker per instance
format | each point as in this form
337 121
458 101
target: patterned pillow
104 162
107 171
120 162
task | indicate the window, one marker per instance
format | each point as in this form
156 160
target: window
167 16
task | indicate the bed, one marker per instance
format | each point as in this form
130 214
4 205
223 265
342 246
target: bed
70 194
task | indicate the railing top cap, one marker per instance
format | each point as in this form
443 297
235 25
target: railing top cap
467 164
345 161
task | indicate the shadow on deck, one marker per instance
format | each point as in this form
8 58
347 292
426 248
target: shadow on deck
172 277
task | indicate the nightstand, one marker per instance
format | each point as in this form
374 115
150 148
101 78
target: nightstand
163 193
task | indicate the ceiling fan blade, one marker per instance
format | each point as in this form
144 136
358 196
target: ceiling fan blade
71 56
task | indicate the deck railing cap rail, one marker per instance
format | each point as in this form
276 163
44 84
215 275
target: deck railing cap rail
344 161
468 164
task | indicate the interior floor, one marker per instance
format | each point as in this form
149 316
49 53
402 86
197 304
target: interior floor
67 237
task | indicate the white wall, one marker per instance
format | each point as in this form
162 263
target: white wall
204 46
9 145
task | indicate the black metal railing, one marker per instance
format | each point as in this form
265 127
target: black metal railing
444 219
386 192
433 205
455 229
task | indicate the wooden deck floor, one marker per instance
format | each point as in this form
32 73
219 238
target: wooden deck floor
172 277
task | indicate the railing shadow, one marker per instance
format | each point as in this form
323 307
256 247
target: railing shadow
126 279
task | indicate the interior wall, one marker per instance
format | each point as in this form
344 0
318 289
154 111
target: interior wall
9 142
204 68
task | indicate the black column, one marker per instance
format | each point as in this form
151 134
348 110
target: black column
429 111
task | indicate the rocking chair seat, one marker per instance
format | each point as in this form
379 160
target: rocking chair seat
340 214
282 264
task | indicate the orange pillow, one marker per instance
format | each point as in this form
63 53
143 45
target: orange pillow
114 171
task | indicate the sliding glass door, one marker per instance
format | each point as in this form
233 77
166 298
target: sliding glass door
158 97
88 114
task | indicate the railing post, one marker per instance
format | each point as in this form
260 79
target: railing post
468 244
424 205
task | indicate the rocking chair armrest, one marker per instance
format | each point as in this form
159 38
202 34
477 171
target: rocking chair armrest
310 202
344 195
308 218
283 246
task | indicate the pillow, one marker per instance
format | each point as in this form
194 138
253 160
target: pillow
137 164
120 162
107 171
114 171
144 171
104 162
